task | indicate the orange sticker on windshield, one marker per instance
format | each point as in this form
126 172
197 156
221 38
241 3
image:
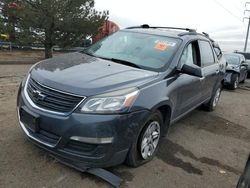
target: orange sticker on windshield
161 46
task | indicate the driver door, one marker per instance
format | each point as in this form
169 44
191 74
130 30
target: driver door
189 91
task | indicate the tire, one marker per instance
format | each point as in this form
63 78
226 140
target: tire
212 104
138 154
235 82
246 75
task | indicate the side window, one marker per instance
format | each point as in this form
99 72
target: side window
207 55
243 60
218 52
190 55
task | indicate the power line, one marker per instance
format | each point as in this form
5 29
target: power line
237 7
222 6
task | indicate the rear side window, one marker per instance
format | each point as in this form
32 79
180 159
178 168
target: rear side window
207 56
218 52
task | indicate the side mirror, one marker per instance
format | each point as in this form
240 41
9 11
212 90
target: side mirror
192 70
244 64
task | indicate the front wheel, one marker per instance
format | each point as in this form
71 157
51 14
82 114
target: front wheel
234 82
246 75
145 147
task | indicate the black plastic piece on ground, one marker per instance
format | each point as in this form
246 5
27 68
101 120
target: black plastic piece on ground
101 173
106 175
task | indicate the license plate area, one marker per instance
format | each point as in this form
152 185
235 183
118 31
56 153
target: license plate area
29 119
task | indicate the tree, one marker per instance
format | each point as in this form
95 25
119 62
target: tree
2 30
59 22
8 18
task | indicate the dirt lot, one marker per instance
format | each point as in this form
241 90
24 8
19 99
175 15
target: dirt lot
203 150
22 56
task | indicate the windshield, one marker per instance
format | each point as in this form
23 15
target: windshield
232 59
146 51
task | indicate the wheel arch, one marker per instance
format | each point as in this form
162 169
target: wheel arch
165 108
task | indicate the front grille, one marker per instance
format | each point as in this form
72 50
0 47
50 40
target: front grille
51 99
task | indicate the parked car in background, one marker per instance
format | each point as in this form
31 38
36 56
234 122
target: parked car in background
247 57
113 102
236 71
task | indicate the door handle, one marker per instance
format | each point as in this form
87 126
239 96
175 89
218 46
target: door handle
221 66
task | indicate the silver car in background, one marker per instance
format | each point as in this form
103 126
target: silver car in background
236 70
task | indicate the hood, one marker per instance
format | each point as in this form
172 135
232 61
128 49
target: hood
232 67
82 74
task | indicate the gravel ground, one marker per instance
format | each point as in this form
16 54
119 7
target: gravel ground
24 57
202 150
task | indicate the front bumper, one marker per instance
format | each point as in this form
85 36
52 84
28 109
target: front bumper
55 134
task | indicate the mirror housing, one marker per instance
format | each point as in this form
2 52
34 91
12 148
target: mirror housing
192 70
244 64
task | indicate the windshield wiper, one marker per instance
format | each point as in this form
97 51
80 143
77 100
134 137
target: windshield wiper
120 61
85 52
124 62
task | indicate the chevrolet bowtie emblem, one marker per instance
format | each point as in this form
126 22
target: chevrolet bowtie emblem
38 95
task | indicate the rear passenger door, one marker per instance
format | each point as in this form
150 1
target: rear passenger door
210 69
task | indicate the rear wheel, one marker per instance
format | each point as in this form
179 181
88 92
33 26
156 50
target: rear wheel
234 82
145 147
212 104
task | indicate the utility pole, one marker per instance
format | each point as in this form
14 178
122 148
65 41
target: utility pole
245 47
246 10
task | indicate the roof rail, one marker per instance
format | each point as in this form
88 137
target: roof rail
207 35
146 26
201 34
189 33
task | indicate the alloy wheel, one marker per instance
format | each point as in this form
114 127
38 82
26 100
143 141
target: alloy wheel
216 97
150 140
236 82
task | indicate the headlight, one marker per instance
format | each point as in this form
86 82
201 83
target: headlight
118 101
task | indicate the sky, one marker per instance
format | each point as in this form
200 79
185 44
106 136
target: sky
222 19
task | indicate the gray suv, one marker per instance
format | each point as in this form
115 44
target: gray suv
113 102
